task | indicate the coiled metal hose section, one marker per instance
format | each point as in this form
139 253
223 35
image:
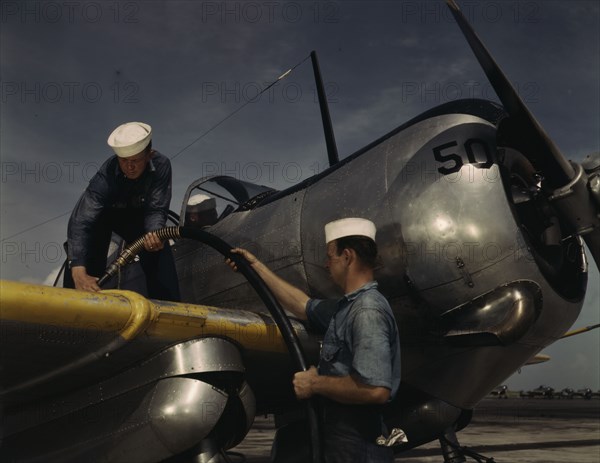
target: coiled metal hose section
129 253
281 320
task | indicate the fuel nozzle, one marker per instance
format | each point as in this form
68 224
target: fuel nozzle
128 254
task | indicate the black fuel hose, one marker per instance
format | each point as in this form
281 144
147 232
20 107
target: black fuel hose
281 320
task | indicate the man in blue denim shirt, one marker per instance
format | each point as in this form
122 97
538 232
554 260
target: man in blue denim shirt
129 195
359 366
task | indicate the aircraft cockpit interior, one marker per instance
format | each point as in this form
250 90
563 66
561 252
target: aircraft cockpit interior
210 199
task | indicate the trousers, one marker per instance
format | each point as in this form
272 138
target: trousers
349 433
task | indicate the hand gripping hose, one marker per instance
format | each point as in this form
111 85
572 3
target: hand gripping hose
281 320
129 253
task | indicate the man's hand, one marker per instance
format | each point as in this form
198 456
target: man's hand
342 389
304 382
290 297
251 258
152 243
84 281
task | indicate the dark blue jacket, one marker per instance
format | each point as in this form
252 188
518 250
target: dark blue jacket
110 190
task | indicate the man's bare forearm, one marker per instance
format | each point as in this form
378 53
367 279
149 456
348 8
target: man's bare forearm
291 298
343 389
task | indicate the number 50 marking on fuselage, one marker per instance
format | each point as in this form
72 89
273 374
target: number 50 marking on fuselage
474 148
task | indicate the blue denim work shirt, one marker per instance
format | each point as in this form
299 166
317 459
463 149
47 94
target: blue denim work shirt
361 337
109 188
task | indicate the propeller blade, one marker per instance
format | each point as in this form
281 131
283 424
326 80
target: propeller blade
580 330
540 149
523 132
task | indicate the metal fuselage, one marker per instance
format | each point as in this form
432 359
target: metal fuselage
474 294
475 265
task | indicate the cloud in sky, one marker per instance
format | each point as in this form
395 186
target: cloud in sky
72 71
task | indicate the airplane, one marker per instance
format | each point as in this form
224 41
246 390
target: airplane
566 393
500 392
545 392
569 393
585 393
481 223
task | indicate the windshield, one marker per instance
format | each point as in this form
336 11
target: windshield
209 200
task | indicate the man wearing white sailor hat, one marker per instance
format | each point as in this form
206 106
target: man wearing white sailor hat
200 211
130 196
359 365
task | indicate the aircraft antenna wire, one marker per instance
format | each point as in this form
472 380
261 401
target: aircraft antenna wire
238 109
282 76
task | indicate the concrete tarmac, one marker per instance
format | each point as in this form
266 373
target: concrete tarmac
507 430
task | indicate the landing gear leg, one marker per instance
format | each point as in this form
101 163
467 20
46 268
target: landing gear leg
451 448
454 453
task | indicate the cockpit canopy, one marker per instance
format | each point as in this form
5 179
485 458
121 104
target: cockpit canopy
214 198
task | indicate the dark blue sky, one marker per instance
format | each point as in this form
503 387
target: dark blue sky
72 71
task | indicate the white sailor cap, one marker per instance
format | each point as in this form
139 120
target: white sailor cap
130 139
349 227
201 203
